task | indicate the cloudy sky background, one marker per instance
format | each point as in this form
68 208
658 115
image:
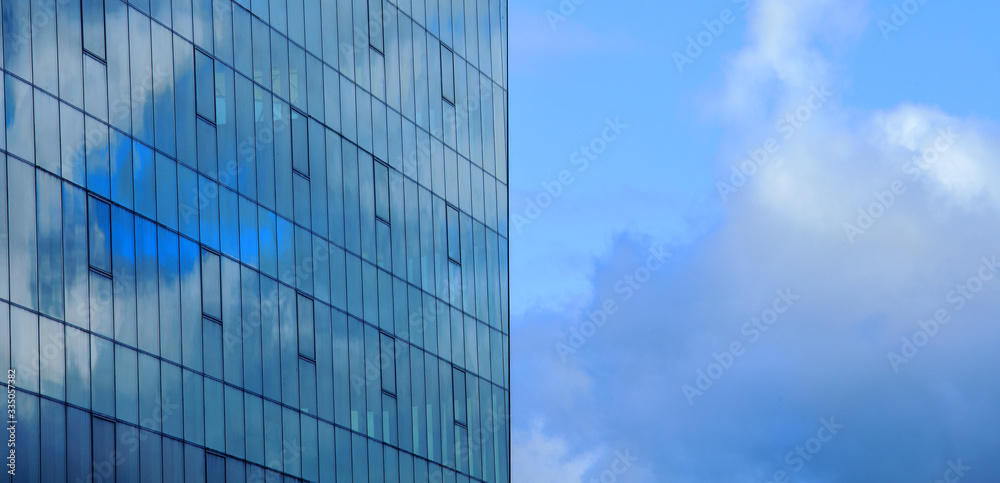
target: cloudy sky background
926 88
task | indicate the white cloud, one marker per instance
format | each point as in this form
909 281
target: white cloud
785 228
540 458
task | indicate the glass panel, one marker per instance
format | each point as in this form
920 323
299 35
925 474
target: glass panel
104 447
272 435
203 31
307 386
223 27
169 291
166 191
184 88
20 122
317 170
24 354
145 180
173 459
283 158
150 457
234 422
147 291
194 409
71 144
208 215
126 380
231 322
17 42
229 219
191 309
75 251
341 369
225 119
246 116
241 32
46 114
23 236
77 367
150 415
215 418
261 39
119 84
270 348
140 61
213 348
163 85
194 463
324 363
78 457
267 232
250 329
297 76
289 350
171 398
248 233
264 152
101 305
205 85
305 316
254 424
121 169
93 27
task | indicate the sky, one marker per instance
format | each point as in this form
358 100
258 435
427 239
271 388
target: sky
755 240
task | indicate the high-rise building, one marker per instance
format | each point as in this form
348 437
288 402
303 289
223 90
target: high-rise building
255 240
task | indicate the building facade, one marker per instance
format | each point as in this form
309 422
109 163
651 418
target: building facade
255 240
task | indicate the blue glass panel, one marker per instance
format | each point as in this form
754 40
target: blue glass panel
23 236
191 309
163 86
150 457
235 440
171 413
254 424
147 289
78 457
270 348
194 410
232 322
248 233
166 191
145 180
150 407
215 417
142 76
126 388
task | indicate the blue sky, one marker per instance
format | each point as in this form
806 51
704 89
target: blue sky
846 280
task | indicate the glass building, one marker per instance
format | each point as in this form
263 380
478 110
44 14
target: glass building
255 240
